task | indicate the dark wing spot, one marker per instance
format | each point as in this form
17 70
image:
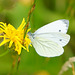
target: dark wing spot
60 40
66 25
59 30
33 37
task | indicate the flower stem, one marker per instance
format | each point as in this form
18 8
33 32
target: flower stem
19 58
4 53
28 18
25 30
13 64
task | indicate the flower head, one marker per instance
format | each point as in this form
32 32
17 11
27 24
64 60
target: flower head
15 36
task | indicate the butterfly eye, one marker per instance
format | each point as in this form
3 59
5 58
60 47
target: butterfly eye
59 30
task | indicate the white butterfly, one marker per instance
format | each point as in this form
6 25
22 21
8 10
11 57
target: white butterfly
50 39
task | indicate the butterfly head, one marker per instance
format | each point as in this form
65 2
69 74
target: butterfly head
31 35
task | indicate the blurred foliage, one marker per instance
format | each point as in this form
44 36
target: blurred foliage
27 2
6 4
46 11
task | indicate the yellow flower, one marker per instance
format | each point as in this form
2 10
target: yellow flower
15 36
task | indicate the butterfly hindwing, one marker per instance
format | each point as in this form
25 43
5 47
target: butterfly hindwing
47 48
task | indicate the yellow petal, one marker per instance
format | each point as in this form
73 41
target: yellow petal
1 36
18 38
19 51
1 31
10 44
3 42
21 45
30 45
27 48
3 23
22 24
28 30
2 26
17 48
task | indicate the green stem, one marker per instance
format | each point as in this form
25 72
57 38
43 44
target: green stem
28 18
25 31
18 63
4 53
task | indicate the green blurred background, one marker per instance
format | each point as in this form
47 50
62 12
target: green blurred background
46 11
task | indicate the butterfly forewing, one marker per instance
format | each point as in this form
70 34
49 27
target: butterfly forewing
60 38
56 26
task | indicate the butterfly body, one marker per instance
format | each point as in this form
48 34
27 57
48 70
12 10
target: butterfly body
50 39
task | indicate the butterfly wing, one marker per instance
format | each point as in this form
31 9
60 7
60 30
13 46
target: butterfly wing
60 38
56 26
49 39
47 48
